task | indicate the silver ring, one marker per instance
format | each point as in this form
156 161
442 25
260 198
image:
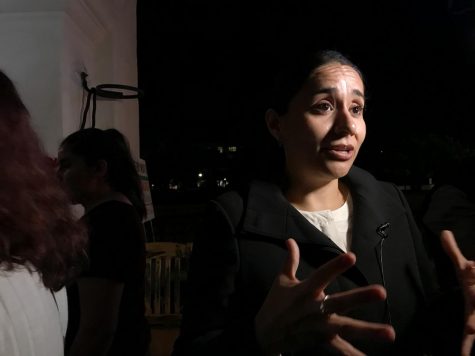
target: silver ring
323 309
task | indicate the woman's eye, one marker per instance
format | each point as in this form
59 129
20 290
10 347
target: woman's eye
322 107
357 110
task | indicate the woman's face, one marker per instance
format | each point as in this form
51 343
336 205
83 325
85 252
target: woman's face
323 129
77 177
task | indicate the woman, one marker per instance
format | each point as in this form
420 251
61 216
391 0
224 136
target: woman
107 302
356 276
40 243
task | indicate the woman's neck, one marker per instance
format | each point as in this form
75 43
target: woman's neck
106 195
317 196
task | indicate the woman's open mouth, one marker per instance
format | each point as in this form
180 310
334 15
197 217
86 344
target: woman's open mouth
339 152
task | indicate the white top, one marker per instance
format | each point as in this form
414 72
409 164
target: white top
31 322
336 224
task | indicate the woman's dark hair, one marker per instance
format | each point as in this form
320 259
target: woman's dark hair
109 145
37 228
295 71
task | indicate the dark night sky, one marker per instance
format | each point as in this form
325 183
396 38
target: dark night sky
205 66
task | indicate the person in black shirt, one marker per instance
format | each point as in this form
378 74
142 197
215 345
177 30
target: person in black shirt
107 300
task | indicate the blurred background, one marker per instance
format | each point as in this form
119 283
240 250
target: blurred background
205 69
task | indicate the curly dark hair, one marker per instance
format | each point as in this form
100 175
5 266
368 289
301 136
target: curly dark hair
37 227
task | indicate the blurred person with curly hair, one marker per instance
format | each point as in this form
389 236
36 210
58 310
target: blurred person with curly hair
41 244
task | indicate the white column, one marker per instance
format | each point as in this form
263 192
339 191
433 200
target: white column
47 43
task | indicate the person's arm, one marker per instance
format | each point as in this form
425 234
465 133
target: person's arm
99 302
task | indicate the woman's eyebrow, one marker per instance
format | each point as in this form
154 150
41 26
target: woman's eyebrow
358 93
331 90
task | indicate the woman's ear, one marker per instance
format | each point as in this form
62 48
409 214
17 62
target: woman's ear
273 121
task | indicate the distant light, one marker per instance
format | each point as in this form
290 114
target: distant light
232 148
200 174
173 185
222 183
220 149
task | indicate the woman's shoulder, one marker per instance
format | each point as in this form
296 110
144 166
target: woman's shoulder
364 184
19 272
237 198
362 177
360 174
255 198
112 208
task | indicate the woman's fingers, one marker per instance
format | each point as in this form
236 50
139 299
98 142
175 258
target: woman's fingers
350 328
344 347
451 248
329 271
292 262
324 274
313 331
340 302
292 317
331 323
344 301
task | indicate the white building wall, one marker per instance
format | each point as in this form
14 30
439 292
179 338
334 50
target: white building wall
30 43
45 46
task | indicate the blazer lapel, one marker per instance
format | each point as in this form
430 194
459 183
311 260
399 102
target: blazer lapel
269 214
372 208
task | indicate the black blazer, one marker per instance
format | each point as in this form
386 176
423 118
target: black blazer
235 262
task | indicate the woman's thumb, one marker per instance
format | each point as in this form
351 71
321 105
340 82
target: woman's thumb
293 258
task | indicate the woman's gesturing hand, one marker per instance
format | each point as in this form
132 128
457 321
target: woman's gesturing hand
297 314
465 270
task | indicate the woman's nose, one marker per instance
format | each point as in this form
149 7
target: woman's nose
345 123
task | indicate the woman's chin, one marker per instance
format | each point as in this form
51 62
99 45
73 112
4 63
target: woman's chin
339 169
